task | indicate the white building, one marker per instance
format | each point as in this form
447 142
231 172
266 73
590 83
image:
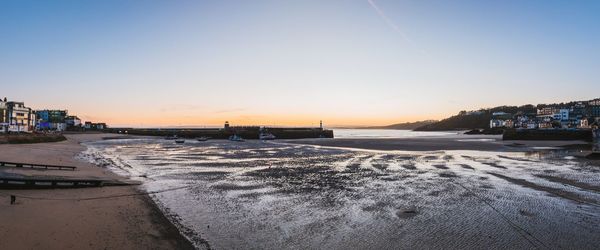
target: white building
494 123
583 123
3 116
19 117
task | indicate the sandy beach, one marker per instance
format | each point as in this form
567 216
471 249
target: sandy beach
68 218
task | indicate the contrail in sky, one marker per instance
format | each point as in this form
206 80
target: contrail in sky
390 22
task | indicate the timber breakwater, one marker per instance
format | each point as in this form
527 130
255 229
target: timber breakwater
246 132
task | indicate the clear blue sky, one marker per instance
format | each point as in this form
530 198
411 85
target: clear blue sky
295 62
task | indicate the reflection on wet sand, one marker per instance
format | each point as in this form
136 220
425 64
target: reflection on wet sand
279 195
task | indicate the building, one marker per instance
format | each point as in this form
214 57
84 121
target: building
510 123
583 123
17 117
72 121
579 110
496 123
52 120
3 118
501 120
101 126
95 126
575 115
563 114
594 109
546 111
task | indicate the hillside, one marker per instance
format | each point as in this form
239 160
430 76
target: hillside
406 125
477 120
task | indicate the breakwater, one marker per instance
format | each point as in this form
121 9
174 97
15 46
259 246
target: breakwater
548 134
224 133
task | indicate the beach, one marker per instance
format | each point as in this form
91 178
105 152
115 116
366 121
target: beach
319 194
74 218
450 191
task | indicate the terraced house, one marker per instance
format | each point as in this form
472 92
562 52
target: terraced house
16 117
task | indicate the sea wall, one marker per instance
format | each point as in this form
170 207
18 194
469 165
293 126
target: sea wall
25 138
246 133
548 134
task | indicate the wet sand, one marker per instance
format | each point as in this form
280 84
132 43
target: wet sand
282 195
434 143
73 218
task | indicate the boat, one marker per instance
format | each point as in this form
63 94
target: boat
266 136
236 138
179 141
203 138
172 137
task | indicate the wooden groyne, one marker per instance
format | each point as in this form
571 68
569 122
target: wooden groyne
51 183
35 166
216 133
36 183
548 134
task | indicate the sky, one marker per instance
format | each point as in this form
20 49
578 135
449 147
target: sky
350 62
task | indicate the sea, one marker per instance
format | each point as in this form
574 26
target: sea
282 195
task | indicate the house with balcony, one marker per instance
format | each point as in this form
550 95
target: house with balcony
17 117
54 120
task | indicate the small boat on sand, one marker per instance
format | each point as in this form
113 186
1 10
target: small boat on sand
180 141
171 137
266 136
203 138
236 138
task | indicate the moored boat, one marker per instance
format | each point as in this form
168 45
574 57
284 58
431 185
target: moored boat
266 136
180 141
236 138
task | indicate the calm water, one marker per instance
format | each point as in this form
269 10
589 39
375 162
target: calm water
385 133
271 195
